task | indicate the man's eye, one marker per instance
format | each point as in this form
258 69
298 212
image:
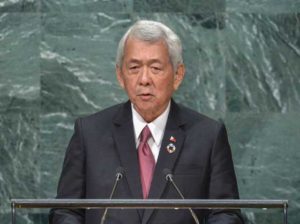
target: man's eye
133 69
156 69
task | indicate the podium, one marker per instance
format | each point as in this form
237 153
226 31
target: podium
147 203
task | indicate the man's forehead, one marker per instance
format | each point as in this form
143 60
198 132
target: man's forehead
134 52
132 39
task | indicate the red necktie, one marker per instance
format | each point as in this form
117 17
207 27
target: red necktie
146 159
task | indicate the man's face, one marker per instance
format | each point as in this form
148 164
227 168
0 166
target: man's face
148 77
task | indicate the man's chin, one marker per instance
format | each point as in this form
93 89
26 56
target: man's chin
147 112
144 105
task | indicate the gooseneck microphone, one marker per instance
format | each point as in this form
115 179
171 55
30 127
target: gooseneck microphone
119 175
169 178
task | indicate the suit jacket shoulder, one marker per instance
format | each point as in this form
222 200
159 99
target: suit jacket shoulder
191 120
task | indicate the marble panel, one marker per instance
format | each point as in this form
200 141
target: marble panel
19 6
19 108
87 6
265 6
262 54
265 148
19 60
204 86
184 6
77 62
203 6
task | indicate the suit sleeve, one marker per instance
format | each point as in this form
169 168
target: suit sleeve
72 180
222 182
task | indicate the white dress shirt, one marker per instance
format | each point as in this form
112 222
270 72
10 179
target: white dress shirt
157 128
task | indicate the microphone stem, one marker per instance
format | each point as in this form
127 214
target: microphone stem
119 176
115 185
177 189
181 195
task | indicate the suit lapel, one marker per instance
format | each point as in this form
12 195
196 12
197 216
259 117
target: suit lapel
123 134
166 159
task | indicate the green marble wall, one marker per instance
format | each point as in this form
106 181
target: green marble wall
243 65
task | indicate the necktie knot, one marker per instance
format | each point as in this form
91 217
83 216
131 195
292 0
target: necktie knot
145 134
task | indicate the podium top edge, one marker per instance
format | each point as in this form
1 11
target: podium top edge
149 203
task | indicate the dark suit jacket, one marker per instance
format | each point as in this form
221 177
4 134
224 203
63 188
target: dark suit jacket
202 167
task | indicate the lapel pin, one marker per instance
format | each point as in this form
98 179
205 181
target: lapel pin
172 139
171 148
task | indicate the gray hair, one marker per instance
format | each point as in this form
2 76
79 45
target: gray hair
151 31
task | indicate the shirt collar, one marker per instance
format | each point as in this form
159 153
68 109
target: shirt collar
157 127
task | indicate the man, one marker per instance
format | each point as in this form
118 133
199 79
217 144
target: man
145 136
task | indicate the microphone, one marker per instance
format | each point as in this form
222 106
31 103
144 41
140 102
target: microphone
119 175
169 178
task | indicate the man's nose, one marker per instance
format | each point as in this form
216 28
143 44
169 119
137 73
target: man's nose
145 78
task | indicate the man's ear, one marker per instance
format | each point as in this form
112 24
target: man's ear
179 75
120 76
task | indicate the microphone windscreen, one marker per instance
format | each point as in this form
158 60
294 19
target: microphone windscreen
167 173
120 171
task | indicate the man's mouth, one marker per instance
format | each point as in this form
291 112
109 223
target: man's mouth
145 96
